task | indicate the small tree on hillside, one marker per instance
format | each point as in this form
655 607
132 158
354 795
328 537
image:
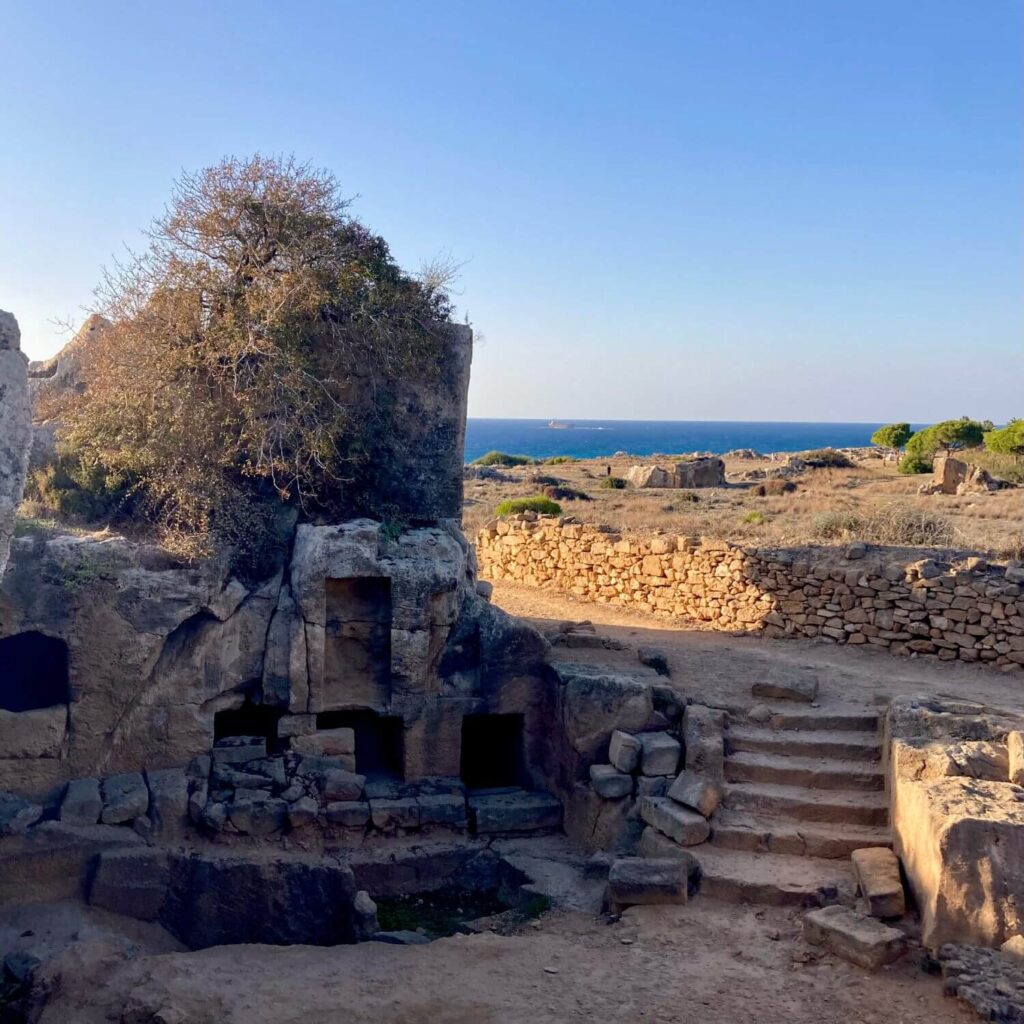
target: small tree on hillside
949 435
892 437
1007 441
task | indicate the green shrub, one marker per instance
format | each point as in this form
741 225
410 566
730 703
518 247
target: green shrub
538 504
613 483
558 460
503 459
754 518
949 435
826 458
836 525
893 436
79 492
1007 441
914 462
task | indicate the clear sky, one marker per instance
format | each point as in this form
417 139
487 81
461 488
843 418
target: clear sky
753 209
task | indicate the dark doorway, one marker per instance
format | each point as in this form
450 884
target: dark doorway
492 751
357 644
33 672
248 720
380 743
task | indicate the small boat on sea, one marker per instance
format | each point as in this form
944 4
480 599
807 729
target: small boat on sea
560 425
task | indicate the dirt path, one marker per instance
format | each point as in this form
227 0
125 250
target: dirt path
719 668
707 962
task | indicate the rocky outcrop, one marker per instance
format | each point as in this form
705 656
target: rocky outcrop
958 827
697 472
15 429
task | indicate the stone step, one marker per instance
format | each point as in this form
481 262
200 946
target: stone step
812 772
513 812
849 746
733 830
847 720
774 879
801 804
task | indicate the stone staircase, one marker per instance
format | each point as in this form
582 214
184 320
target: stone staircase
802 791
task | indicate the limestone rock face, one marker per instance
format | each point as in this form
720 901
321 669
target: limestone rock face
958 832
15 429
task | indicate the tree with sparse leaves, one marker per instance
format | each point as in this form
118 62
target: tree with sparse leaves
892 437
250 354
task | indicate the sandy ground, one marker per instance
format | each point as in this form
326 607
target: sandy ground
705 962
718 668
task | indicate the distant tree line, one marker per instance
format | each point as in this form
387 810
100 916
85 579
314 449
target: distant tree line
917 450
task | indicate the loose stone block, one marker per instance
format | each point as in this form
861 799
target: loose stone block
124 797
686 827
805 690
302 812
239 749
639 880
609 783
878 876
624 751
168 802
514 812
855 937
659 753
657 845
696 791
82 803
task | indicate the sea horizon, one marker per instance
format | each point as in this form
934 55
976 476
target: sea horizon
586 439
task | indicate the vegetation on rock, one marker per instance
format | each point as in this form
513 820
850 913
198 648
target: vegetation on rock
249 361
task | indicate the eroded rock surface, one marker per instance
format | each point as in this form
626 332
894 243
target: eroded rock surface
15 428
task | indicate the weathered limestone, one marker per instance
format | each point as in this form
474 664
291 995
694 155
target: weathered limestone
125 797
960 839
699 472
686 827
610 783
15 429
704 741
878 877
640 880
854 937
971 611
695 791
659 753
624 751
82 804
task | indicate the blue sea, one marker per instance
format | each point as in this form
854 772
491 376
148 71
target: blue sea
596 438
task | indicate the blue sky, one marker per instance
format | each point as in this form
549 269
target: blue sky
759 209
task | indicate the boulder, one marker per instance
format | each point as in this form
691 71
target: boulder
649 476
655 658
699 472
339 784
861 940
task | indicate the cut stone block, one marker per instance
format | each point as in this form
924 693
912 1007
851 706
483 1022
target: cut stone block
342 785
514 812
658 846
696 791
659 753
82 803
703 740
624 751
657 786
686 827
124 797
641 880
349 813
239 749
302 812
131 882
256 813
326 743
609 783
878 876
168 802
855 937
805 690
391 814
443 809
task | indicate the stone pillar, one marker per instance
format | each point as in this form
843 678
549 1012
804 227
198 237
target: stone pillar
15 429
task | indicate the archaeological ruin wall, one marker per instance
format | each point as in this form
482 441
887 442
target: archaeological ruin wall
973 611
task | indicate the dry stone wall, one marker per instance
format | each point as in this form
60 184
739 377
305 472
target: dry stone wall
971 612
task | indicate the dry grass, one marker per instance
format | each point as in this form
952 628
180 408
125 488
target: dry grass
869 502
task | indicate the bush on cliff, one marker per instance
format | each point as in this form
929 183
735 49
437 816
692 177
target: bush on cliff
540 505
250 354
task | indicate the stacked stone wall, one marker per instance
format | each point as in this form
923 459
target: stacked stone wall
971 611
